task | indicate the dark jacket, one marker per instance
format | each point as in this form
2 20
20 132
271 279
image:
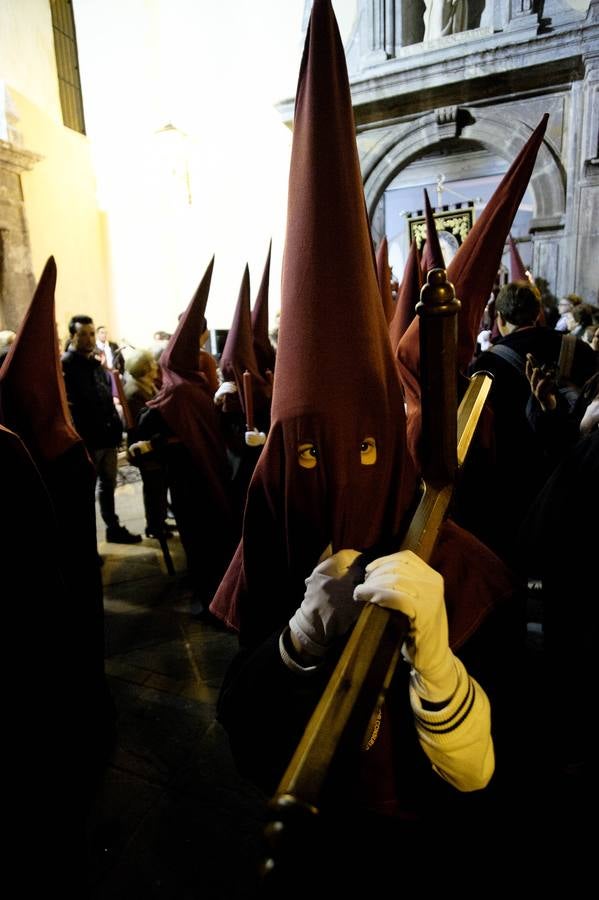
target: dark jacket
499 483
89 392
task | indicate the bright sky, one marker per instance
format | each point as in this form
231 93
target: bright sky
214 70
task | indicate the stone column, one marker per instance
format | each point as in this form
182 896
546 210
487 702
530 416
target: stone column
587 183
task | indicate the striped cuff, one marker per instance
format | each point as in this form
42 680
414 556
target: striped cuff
441 723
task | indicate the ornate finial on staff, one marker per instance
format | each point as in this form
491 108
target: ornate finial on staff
438 308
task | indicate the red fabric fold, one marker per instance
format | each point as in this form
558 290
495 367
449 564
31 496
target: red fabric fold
238 354
185 399
408 296
517 268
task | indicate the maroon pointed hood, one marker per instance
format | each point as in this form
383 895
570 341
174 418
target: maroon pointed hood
472 272
32 393
336 395
408 296
181 357
432 255
185 398
264 350
517 268
383 271
238 353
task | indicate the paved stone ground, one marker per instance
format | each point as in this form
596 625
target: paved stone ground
172 818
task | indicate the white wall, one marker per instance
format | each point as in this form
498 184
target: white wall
214 71
27 59
134 213
59 193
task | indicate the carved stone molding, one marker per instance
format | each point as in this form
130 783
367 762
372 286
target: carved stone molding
451 120
502 135
521 11
521 8
591 168
16 276
521 19
17 160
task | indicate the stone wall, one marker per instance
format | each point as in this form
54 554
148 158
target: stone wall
486 88
16 276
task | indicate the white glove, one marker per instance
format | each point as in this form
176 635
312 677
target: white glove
255 438
227 387
328 609
590 418
484 339
139 447
404 582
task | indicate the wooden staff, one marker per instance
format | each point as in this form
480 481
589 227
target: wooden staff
248 400
356 689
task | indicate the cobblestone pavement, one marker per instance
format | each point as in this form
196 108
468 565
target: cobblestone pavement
172 818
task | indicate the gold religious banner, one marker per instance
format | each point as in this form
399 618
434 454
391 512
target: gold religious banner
452 226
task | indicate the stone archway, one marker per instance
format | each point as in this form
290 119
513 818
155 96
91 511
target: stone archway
492 130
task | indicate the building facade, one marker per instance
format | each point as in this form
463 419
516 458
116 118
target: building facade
443 99
447 93
48 197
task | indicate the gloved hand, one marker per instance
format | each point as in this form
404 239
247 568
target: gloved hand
590 418
255 438
404 582
328 609
484 339
227 387
134 451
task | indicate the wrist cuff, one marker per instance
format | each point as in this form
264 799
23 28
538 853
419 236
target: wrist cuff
288 659
438 684
301 626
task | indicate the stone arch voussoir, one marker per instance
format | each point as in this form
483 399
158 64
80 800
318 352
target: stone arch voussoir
500 133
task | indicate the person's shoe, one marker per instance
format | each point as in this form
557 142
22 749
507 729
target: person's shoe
118 534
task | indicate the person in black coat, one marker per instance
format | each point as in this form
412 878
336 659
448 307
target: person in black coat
89 393
516 466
